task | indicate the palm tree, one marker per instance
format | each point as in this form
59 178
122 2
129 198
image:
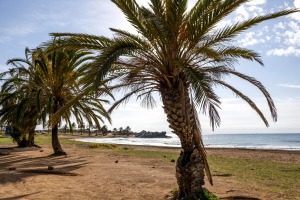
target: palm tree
73 126
17 108
128 129
183 55
104 130
115 131
56 77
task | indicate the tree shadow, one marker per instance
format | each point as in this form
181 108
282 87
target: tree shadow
16 167
19 196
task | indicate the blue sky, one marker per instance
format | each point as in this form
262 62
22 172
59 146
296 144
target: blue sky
27 24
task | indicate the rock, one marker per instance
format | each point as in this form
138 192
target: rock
116 161
41 150
172 160
12 168
50 167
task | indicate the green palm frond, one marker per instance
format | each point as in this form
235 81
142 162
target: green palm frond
227 33
132 11
245 98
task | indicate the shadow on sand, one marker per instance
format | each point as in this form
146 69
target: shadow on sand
16 166
18 197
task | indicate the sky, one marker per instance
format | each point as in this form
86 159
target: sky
28 24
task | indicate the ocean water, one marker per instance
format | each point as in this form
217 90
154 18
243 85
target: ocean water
249 141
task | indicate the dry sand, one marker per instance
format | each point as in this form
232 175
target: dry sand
87 174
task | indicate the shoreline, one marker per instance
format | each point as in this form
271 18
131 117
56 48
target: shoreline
78 138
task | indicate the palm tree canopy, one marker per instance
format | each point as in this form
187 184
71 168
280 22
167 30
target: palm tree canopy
57 91
172 45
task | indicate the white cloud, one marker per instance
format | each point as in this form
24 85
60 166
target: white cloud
295 16
242 13
268 38
249 39
292 35
289 85
279 25
290 51
256 2
251 9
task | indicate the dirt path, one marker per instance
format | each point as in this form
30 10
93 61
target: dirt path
86 174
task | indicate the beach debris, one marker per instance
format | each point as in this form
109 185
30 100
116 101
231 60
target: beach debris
12 168
50 167
116 161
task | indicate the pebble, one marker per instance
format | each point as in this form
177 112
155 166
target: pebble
50 168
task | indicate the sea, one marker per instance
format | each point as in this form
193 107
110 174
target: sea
248 141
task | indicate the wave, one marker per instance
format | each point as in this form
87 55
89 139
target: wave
209 142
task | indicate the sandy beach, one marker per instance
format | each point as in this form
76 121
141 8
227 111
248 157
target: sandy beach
87 173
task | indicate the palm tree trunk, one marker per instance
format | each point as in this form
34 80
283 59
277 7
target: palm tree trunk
30 142
55 141
190 164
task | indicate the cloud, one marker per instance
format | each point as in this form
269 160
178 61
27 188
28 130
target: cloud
251 9
297 5
287 34
289 86
249 39
256 2
290 51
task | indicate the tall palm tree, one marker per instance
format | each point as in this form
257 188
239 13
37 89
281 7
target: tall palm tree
61 73
183 55
57 79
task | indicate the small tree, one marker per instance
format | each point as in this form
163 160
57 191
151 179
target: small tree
115 131
121 130
128 129
104 130
73 126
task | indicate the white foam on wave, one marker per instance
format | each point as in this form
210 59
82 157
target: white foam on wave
174 142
